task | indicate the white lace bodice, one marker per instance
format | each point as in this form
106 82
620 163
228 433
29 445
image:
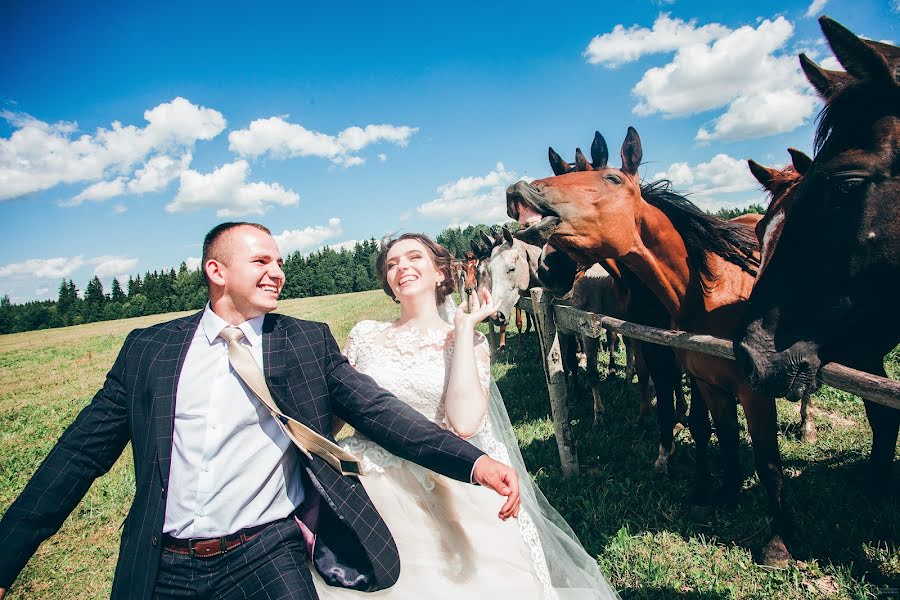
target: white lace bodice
413 365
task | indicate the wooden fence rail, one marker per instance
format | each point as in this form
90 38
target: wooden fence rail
552 318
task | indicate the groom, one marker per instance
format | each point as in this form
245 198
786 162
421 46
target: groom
221 489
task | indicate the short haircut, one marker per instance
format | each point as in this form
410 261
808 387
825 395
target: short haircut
441 258
214 242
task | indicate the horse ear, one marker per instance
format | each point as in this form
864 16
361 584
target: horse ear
764 175
475 248
599 151
581 163
559 166
861 60
801 161
507 235
631 152
488 240
826 82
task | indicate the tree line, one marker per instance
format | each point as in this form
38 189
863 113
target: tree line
321 273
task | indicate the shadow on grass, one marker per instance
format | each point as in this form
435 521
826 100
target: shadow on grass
836 521
661 593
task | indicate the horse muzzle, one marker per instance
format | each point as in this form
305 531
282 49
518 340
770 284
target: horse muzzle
791 373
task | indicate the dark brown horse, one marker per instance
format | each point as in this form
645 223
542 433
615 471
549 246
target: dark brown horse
830 281
779 183
700 268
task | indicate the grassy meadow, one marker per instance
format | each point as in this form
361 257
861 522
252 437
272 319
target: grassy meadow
636 523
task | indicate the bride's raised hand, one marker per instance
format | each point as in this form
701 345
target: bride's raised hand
479 310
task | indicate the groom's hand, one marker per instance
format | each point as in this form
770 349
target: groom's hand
503 480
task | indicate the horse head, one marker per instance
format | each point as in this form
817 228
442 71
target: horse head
585 209
509 271
828 289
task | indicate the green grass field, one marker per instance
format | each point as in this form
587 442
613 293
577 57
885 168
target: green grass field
636 523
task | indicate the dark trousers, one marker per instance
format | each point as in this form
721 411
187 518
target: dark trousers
272 565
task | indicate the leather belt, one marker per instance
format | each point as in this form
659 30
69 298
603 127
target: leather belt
207 548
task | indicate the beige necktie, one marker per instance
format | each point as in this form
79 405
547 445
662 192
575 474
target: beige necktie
305 438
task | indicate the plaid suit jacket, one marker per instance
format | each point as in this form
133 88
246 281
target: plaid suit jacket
309 380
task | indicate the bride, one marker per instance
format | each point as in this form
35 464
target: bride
451 543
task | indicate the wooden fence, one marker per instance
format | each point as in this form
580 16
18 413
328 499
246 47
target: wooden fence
552 318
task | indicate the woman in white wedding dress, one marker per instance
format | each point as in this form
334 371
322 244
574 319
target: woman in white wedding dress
451 542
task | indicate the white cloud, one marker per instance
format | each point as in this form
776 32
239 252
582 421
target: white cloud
158 172
382 157
113 266
308 238
227 190
747 71
345 245
40 155
43 268
280 139
473 199
119 208
192 262
707 182
98 192
815 8
42 293
622 45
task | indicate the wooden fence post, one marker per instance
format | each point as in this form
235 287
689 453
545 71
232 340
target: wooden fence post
556 380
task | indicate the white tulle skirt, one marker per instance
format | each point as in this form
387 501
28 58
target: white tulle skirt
452 543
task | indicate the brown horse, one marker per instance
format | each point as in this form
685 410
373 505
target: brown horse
830 281
702 270
779 183
652 362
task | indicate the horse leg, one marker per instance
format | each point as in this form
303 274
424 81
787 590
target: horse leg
723 409
492 338
763 428
529 323
519 326
884 422
681 409
611 338
629 359
502 338
808 432
666 374
591 348
643 375
568 351
701 431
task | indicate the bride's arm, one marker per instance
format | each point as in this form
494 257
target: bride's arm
465 402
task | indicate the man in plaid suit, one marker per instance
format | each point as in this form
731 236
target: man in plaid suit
253 507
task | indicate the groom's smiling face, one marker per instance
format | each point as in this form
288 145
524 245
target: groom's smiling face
252 272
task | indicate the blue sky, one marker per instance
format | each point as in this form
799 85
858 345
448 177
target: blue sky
127 132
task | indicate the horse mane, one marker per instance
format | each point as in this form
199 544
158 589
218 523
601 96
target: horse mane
703 233
854 105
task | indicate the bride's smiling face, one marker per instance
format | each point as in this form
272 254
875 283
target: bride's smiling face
410 270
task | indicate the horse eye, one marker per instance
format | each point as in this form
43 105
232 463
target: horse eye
850 185
614 179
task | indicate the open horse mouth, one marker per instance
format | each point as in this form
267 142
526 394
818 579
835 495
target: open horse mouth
528 206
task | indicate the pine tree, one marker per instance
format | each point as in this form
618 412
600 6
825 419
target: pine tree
117 295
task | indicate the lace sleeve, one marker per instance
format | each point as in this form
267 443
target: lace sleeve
352 345
483 361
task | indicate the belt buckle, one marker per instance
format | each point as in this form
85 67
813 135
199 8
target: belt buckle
191 552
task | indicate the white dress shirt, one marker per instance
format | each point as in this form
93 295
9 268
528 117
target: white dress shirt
232 465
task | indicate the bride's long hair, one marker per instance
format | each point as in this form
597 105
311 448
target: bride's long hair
440 257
